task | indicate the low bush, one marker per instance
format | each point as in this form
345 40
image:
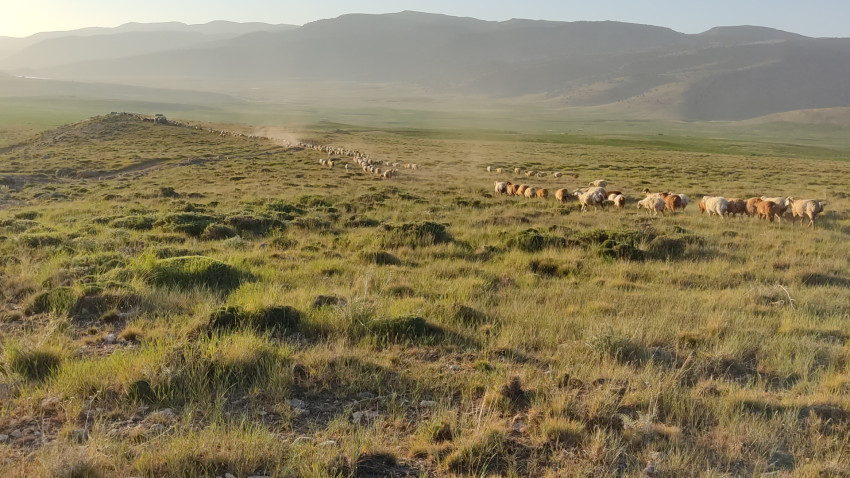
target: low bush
413 234
33 363
194 271
136 223
531 240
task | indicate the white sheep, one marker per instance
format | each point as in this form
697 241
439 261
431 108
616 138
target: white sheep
600 183
714 205
530 192
591 197
618 199
557 174
501 187
489 169
653 204
804 208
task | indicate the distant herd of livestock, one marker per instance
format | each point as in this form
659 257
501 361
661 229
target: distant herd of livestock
597 195
382 169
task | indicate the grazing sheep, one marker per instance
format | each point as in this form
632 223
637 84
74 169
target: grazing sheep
766 209
512 189
804 208
543 193
714 205
751 206
562 195
557 174
346 167
618 199
592 197
529 174
736 206
653 204
517 170
501 187
499 170
541 175
530 192
488 169
600 183
414 166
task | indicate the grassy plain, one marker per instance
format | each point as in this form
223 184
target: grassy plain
181 303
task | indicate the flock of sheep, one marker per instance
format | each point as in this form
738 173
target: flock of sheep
597 195
382 169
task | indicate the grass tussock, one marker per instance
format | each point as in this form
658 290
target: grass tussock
192 271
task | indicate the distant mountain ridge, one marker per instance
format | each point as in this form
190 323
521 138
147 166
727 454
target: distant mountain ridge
726 73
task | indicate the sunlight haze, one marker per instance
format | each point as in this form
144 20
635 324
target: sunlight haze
818 18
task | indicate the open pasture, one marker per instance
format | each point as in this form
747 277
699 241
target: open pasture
182 303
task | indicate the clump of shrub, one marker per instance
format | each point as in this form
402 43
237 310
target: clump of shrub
194 271
544 267
311 223
620 347
215 232
413 234
35 363
408 328
61 300
280 319
558 432
27 215
168 192
282 242
614 244
467 315
42 239
253 225
532 240
381 258
135 222
486 452
190 223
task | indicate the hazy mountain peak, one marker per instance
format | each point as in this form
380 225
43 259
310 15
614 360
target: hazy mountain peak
750 33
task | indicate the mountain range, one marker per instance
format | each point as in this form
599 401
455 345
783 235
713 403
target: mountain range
726 73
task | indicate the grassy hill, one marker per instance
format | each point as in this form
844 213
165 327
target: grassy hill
199 299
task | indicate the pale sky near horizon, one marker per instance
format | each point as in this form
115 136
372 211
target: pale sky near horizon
819 18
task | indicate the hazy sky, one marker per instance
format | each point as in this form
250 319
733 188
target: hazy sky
808 17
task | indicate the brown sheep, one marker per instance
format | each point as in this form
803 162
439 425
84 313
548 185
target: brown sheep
751 206
672 202
521 190
736 206
766 209
512 189
562 195
543 193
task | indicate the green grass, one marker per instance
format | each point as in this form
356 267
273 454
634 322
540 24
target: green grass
307 321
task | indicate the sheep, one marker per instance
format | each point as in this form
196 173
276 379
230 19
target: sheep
512 189
766 209
541 175
592 197
517 170
501 187
804 208
618 199
751 206
600 183
543 193
530 192
653 204
346 167
488 169
685 201
557 174
736 206
331 164
521 189
714 205
530 174
499 170
562 195
781 205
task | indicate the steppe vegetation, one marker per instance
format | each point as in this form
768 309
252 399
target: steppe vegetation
181 303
